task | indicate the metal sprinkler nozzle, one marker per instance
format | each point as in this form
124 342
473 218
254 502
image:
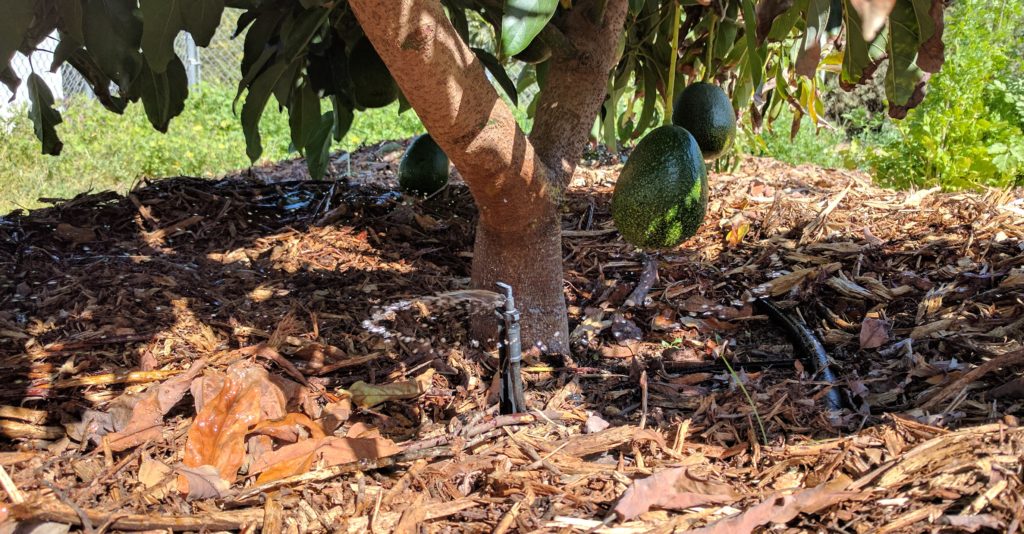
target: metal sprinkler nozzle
510 352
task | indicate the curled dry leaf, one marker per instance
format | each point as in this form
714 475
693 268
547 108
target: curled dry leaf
783 508
671 489
217 436
873 333
202 482
147 414
367 395
361 443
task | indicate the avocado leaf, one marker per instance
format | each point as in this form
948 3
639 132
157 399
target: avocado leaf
44 117
521 21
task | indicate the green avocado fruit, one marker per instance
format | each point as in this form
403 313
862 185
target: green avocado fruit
661 195
706 112
372 84
424 167
536 52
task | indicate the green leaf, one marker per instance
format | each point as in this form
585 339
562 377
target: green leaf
252 109
113 35
810 47
70 13
521 21
17 15
650 79
200 18
496 70
342 118
318 149
755 58
297 32
66 45
303 115
164 93
860 57
9 78
161 22
904 80
44 117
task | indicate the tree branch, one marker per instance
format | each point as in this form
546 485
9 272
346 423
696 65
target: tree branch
446 84
575 89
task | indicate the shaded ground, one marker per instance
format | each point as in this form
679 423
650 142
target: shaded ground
259 286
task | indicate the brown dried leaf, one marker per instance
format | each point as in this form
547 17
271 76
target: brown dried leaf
367 395
217 436
783 508
147 416
873 333
202 482
361 443
671 489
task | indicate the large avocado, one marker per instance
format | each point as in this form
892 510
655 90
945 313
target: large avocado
424 167
662 192
705 110
372 84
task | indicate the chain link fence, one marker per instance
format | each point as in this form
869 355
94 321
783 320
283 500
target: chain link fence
216 64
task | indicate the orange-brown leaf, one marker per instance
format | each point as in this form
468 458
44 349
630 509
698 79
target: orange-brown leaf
217 436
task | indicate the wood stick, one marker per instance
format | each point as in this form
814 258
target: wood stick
648 277
49 510
36 417
17 430
1003 360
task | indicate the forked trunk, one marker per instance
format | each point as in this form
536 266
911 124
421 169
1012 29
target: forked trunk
516 181
530 260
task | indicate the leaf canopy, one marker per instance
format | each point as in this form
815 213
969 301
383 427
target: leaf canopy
765 53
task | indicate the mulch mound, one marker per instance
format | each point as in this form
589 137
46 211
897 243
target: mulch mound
228 355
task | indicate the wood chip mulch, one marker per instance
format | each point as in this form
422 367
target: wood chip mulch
208 355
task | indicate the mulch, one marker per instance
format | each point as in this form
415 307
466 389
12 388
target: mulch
147 337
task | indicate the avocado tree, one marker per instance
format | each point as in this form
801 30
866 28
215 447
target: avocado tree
607 68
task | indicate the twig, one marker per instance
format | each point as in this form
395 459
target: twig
648 277
130 377
480 428
49 510
12 490
61 346
643 400
1003 360
17 430
28 415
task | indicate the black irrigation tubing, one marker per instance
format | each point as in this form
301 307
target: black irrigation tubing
807 347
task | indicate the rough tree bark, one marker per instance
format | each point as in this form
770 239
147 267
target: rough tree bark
516 181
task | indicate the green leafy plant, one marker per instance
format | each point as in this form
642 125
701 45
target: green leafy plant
968 133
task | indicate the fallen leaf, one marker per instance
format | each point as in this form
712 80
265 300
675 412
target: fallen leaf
361 443
737 233
595 424
202 482
217 436
74 234
285 429
780 509
149 408
671 489
367 395
873 333
155 476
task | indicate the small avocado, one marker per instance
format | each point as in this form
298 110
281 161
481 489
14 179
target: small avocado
536 52
706 112
661 195
372 84
424 167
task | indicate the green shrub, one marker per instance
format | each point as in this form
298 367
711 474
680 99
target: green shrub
107 151
967 133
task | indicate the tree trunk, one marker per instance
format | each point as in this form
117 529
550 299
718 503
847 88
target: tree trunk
529 259
517 189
